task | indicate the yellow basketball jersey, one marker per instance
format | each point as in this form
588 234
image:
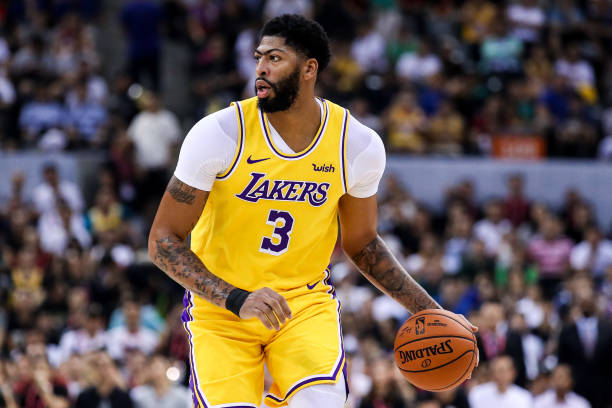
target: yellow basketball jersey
271 218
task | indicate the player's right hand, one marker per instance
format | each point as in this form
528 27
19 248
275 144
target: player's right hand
268 306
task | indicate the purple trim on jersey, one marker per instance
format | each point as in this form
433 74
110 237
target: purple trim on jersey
343 150
241 149
194 383
341 363
312 146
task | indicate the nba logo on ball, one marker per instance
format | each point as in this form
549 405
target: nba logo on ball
420 326
441 359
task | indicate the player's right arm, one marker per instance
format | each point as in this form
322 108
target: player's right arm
179 211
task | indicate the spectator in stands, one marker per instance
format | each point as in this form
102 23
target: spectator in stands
516 205
368 48
416 66
106 387
122 339
38 384
446 399
578 72
493 227
7 397
458 235
88 338
59 228
593 255
388 388
446 131
275 8
561 395
500 51
159 391
85 118
46 194
42 114
501 392
575 136
141 20
586 345
527 18
155 133
427 265
173 340
550 251
538 67
405 123
107 214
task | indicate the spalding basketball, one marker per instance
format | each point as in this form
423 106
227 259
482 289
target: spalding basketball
435 350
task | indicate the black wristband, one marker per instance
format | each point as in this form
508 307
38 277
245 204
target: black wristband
235 300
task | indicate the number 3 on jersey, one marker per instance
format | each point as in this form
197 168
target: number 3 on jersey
282 222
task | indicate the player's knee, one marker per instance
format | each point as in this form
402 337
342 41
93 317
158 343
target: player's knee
320 395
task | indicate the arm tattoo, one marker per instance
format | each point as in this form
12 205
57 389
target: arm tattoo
178 261
180 191
376 263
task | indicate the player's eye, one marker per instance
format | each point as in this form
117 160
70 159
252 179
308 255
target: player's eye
257 57
274 58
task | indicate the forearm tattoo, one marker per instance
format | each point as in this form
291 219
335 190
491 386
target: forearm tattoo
376 263
173 256
178 261
180 191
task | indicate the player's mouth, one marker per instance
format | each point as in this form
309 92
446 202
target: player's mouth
263 89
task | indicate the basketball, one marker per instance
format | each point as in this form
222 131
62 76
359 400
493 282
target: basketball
435 350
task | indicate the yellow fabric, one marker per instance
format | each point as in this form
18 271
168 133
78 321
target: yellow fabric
271 221
227 354
478 21
230 233
404 133
102 222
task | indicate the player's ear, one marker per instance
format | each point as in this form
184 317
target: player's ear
310 69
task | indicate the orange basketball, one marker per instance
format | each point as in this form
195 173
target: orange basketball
435 350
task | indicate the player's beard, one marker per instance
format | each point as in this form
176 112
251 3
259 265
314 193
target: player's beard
285 92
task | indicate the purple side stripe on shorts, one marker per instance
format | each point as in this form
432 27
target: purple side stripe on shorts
341 362
193 381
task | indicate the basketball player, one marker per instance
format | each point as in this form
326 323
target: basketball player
260 186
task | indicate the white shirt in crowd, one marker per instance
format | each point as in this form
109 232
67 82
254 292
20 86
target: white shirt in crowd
153 134
120 340
54 238
571 400
369 52
177 396
491 234
527 20
80 342
581 255
210 146
44 196
487 395
577 73
414 67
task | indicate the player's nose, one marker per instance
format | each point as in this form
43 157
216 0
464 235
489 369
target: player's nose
261 69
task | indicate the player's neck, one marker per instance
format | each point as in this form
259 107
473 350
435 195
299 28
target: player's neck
298 125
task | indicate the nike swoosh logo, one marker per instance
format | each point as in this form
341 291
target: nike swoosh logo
253 161
311 287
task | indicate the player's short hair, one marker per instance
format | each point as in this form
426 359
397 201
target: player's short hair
304 35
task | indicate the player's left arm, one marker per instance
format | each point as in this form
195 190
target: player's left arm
367 250
361 242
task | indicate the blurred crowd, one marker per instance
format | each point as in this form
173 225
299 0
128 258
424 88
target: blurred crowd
443 78
86 320
86 317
